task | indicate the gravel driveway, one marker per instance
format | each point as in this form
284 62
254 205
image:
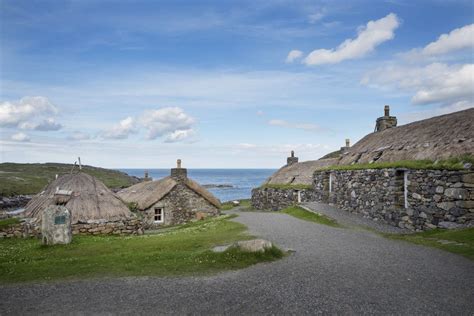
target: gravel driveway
332 271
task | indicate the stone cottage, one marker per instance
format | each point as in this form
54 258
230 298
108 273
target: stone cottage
172 200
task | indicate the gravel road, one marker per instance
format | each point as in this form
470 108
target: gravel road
332 271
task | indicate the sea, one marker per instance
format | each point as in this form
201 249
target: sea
238 182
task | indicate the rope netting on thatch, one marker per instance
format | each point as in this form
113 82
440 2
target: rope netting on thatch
89 199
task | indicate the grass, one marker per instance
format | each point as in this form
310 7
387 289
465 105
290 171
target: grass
22 179
448 164
456 241
9 222
303 214
287 186
227 206
182 251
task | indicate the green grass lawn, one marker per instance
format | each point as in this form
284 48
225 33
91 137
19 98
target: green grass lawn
303 214
8 222
457 241
183 251
17 179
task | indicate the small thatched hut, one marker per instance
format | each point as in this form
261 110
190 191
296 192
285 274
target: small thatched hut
172 200
86 197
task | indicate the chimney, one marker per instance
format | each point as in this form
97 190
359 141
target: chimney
385 121
346 148
387 110
146 178
292 159
179 174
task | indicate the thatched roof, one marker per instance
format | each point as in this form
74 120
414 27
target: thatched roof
146 194
86 197
439 137
299 173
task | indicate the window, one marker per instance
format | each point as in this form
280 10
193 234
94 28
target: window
159 215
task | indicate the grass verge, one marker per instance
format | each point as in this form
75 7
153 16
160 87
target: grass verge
456 241
448 164
303 214
9 222
183 251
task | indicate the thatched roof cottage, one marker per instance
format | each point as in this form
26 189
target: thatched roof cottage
86 197
172 200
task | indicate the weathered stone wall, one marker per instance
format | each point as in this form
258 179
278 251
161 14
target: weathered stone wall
180 205
412 199
278 199
132 226
97 227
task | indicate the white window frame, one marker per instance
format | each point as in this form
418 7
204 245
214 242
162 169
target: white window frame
161 214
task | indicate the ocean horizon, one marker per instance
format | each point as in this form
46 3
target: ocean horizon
238 182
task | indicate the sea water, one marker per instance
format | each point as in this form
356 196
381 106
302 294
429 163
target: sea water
240 181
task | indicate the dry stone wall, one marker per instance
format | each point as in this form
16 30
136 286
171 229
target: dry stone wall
123 227
278 199
412 199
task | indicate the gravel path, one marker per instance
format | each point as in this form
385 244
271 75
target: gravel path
352 220
333 271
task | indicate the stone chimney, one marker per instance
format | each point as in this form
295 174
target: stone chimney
385 121
346 148
292 159
179 174
146 178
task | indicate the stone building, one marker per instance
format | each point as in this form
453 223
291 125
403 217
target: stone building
172 200
415 199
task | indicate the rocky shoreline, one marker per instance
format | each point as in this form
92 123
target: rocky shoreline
14 202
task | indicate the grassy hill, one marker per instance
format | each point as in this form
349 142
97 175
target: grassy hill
16 179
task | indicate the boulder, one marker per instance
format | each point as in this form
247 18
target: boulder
254 245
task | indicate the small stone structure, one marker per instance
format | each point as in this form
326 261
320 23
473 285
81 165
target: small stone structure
172 200
385 121
412 199
347 147
276 199
56 225
292 159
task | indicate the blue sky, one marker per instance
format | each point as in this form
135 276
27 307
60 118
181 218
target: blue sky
222 84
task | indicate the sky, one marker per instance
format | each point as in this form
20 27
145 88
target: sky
222 84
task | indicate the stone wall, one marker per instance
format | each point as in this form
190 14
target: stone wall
412 199
180 205
278 199
27 229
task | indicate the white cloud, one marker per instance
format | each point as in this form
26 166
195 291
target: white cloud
369 37
457 39
48 124
171 122
26 112
435 83
293 55
180 135
20 137
121 130
77 135
303 126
